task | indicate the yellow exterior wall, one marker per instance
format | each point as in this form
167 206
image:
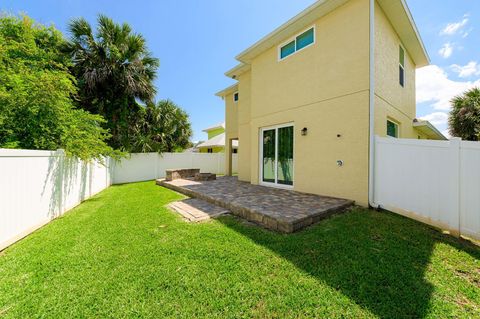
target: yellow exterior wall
392 101
324 88
231 128
244 127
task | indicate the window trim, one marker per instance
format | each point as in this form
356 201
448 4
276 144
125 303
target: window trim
389 119
294 38
233 97
402 66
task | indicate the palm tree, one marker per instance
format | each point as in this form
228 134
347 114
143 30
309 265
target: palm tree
464 119
161 127
113 68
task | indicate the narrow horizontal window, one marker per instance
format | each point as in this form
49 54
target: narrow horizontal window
287 50
301 41
304 39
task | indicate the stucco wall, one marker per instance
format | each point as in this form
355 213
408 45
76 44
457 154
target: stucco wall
244 120
391 99
324 88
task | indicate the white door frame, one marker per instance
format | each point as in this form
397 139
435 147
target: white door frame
260 159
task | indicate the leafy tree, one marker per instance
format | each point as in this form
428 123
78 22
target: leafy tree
163 127
114 69
464 119
36 90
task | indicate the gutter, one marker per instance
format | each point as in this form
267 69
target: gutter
371 144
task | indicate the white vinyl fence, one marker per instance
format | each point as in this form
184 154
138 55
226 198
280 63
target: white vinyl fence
148 166
38 186
436 182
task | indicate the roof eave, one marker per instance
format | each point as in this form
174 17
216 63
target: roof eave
402 20
431 127
231 89
240 69
397 11
301 20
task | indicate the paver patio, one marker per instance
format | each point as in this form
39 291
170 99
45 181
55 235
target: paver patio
277 209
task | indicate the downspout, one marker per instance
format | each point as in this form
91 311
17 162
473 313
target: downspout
371 144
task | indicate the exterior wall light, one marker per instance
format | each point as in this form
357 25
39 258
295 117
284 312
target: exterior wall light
339 163
304 131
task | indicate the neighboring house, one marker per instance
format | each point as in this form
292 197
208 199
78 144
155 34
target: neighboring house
302 104
216 140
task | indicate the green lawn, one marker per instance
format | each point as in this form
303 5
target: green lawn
123 254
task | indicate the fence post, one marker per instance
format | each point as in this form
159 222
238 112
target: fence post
455 144
60 154
157 155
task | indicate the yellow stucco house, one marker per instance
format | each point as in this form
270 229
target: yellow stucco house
216 140
311 95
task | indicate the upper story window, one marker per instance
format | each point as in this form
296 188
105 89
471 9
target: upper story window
235 97
392 129
402 67
300 42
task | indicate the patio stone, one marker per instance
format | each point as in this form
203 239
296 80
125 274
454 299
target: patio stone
281 210
197 210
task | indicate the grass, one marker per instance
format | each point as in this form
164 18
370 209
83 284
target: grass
123 254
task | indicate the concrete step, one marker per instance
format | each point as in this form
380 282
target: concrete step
196 210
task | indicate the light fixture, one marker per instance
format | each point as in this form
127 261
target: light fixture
339 163
304 131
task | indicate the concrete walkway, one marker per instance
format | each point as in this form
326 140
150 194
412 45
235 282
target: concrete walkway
277 209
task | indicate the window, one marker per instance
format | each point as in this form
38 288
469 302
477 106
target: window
402 67
235 97
235 151
287 50
300 42
210 150
392 129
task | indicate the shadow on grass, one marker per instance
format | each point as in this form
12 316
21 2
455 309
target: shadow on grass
376 259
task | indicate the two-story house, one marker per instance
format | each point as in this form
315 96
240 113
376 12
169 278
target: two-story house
311 95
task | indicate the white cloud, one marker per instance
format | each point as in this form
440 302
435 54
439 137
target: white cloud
436 118
434 86
472 68
446 51
466 33
454 27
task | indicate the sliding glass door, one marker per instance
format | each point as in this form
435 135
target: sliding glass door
276 167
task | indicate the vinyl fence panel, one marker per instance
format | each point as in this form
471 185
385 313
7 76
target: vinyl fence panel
38 186
436 182
149 166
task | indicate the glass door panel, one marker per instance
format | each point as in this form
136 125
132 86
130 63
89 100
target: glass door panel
268 160
285 156
277 155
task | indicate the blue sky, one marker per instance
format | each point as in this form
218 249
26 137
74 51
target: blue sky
197 40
